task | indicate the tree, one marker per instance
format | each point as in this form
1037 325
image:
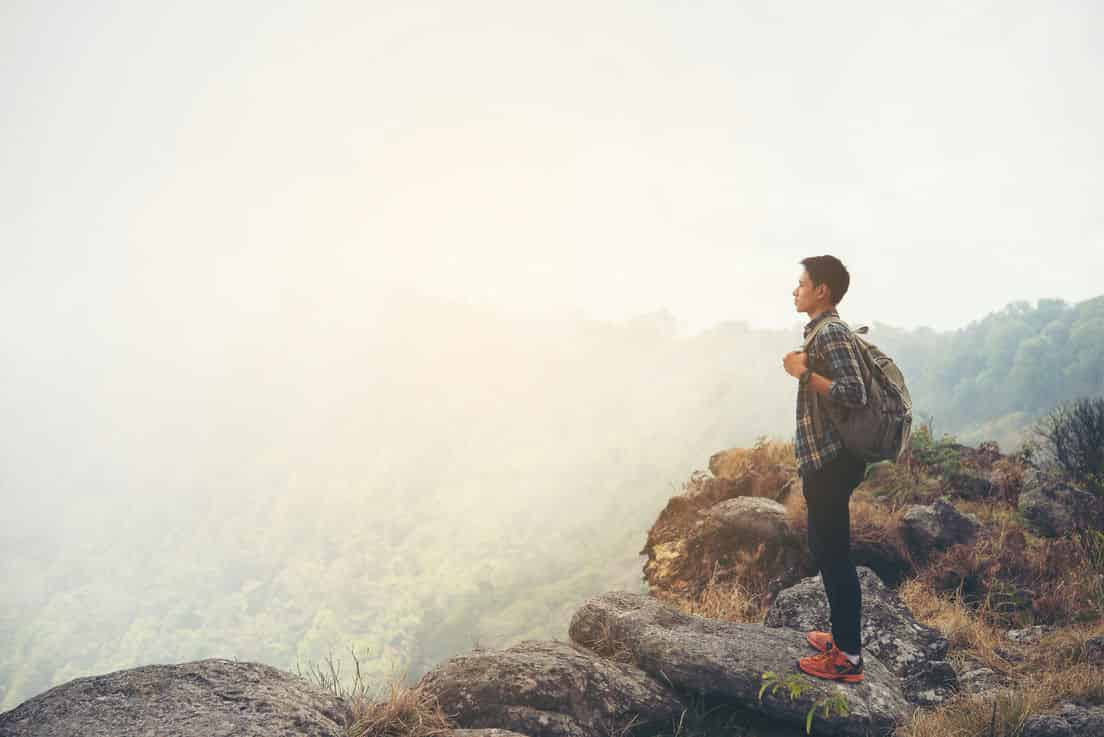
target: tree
1073 435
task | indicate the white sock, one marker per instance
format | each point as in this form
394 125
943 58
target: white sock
853 658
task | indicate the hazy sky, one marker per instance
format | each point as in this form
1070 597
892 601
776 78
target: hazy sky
192 165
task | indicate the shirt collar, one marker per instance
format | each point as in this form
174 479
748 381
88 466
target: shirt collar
813 323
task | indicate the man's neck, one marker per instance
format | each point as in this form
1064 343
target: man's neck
818 311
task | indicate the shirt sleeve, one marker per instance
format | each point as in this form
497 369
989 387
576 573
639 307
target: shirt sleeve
837 347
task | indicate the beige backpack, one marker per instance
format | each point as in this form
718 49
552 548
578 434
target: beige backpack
882 429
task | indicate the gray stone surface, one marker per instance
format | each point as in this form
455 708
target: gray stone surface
550 689
928 528
975 678
203 698
1070 720
1094 649
1046 725
1086 721
1028 635
912 651
728 659
970 483
1054 507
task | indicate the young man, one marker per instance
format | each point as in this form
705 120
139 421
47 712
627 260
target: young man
829 472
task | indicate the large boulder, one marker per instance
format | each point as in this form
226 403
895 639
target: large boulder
729 659
912 651
927 528
1054 507
733 540
203 698
550 689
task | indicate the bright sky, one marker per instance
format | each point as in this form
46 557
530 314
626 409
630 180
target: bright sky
195 164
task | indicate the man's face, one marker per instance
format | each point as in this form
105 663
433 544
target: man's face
805 295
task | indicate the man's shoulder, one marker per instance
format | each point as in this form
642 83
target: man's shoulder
833 329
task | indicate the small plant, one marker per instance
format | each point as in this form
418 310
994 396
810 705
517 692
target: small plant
794 686
939 455
793 683
838 702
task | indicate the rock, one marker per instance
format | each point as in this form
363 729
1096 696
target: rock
1069 720
1054 507
969 483
1012 656
975 678
883 556
938 526
1085 721
728 659
1046 725
733 540
550 689
481 733
912 651
930 683
1094 649
1028 635
203 698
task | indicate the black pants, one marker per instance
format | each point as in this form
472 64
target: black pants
827 496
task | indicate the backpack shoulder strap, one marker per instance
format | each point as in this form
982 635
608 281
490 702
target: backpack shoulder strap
820 326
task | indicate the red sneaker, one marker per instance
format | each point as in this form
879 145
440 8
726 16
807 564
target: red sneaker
820 640
833 665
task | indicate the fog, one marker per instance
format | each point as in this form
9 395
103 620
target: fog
473 264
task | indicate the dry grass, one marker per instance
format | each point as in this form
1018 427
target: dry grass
765 455
1008 575
1058 669
967 634
1002 713
607 645
898 485
877 523
730 601
403 712
1060 649
407 712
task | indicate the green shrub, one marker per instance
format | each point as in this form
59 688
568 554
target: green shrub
939 455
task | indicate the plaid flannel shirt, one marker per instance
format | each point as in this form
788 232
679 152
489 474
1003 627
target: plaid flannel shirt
832 354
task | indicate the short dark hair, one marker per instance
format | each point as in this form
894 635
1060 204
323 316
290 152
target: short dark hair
831 271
